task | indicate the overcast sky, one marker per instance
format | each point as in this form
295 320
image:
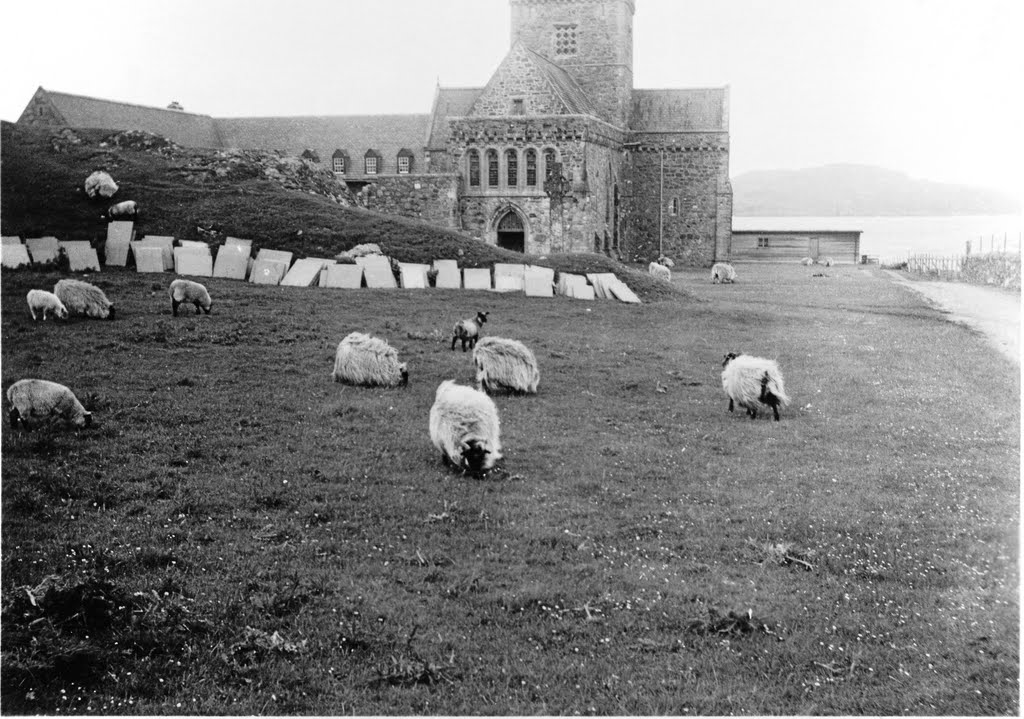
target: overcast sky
928 87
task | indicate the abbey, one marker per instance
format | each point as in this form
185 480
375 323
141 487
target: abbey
557 153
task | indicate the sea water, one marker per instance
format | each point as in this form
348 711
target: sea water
892 239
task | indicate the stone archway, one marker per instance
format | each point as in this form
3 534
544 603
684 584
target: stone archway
511 232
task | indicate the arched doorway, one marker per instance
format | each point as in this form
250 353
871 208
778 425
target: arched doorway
511 234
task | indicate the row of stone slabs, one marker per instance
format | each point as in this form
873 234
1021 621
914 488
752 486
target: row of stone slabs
155 253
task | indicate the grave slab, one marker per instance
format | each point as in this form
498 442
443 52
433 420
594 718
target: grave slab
166 245
42 249
277 255
508 283
119 237
600 281
373 261
476 278
379 276
83 259
506 269
568 282
192 261
148 259
68 244
539 284
344 276
267 272
14 255
448 275
236 242
10 240
304 273
582 292
232 262
194 243
413 275
622 292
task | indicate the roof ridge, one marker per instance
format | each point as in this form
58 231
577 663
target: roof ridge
126 104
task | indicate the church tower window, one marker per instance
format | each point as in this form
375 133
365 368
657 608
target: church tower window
531 168
565 40
492 168
474 168
511 168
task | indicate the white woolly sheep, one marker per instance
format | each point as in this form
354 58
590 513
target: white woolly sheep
43 301
828 262
100 183
365 360
505 364
807 261
189 291
722 272
749 380
660 271
468 331
666 261
128 208
42 399
464 426
81 298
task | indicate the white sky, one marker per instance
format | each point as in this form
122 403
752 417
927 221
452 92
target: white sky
929 87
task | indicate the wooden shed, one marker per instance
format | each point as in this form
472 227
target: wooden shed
843 246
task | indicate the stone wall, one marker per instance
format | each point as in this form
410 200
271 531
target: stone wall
432 198
694 203
516 78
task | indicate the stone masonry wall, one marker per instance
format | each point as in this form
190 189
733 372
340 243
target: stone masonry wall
696 200
517 78
431 198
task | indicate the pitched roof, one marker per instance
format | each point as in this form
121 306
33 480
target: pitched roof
703 109
354 134
449 102
184 128
565 86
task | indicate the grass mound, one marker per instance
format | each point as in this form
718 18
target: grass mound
279 203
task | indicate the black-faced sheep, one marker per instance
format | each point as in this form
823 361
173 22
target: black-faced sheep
504 364
81 298
43 301
189 291
42 399
659 271
365 360
722 272
128 208
464 426
468 331
751 380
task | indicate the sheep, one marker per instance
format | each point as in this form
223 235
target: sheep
100 183
128 208
505 363
828 262
807 261
464 426
365 360
722 272
666 261
749 380
44 399
660 271
189 291
46 302
81 298
468 331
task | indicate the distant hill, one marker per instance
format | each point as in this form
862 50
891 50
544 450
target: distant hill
860 190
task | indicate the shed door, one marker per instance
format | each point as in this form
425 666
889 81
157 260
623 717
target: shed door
812 247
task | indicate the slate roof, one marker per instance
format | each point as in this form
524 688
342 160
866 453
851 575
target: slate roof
703 109
568 90
354 134
184 128
449 102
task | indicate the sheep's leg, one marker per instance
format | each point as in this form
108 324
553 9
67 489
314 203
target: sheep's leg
15 416
775 409
730 404
455 338
174 307
197 307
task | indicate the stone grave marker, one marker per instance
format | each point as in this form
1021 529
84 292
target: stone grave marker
539 281
277 255
413 275
508 282
148 259
622 292
83 258
235 242
42 249
193 261
448 275
504 268
11 240
267 272
14 255
567 283
379 276
476 278
601 281
166 245
344 276
304 273
232 262
119 237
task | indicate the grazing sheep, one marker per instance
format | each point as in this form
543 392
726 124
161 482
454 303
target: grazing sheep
807 261
660 271
749 380
666 261
365 360
189 291
468 330
128 208
828 262
464 426
722 272
41 300
39 398
81 298
505 364
100 183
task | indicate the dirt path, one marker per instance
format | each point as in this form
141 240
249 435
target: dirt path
993 312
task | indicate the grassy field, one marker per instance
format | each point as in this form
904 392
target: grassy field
238 534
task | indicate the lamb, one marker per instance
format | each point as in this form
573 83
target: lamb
128 208
46 302
722 272
365 360
749 380
660 271
464 426
504 363
468 330
100 183
189 291
81 298
40 398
